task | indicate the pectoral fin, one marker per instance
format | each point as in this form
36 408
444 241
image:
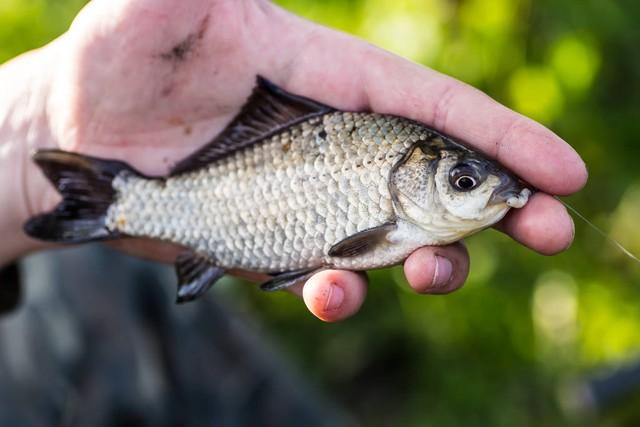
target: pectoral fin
196 274
362 242
289 278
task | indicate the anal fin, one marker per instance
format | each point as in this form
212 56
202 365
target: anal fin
289 278
196 274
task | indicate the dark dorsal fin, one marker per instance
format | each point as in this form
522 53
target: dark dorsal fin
268 110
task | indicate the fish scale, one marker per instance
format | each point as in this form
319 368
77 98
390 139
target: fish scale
323 190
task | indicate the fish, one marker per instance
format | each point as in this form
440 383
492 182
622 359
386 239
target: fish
290 187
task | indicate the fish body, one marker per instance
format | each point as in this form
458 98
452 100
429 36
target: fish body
291 186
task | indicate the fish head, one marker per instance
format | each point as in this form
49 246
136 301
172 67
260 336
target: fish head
451 191
473 188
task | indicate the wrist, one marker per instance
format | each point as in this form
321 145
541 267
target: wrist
23 128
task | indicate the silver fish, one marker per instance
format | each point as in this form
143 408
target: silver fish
289 188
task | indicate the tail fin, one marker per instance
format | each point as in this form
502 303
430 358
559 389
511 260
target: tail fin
85 184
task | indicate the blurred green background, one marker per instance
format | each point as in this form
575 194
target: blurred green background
513 346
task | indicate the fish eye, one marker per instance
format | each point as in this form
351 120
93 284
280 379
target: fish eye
465 182
464 177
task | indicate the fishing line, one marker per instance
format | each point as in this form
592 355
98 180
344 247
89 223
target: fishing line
624 250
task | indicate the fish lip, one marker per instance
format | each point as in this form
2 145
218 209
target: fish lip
514 195
519 200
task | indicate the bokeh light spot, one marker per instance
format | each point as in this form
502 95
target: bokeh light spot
491 18
536 93
555 308
409 28
575 62
625 227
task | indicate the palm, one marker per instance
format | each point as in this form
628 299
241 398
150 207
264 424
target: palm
165 83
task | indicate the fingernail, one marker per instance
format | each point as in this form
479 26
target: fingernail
335 298
442 273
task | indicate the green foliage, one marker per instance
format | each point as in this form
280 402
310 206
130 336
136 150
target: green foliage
501 351
28 24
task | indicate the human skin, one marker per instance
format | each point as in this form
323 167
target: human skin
149 81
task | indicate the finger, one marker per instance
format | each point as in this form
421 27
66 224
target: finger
437 269
390 84
333 295
543 225
530 150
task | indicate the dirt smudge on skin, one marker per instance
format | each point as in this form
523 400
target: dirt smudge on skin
187 128
182 50
167 90
175 121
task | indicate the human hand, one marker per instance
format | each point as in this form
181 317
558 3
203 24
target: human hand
150 81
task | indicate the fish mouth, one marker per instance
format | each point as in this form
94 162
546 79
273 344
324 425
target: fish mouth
512 197
520 199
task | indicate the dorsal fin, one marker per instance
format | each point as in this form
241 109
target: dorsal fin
268 110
